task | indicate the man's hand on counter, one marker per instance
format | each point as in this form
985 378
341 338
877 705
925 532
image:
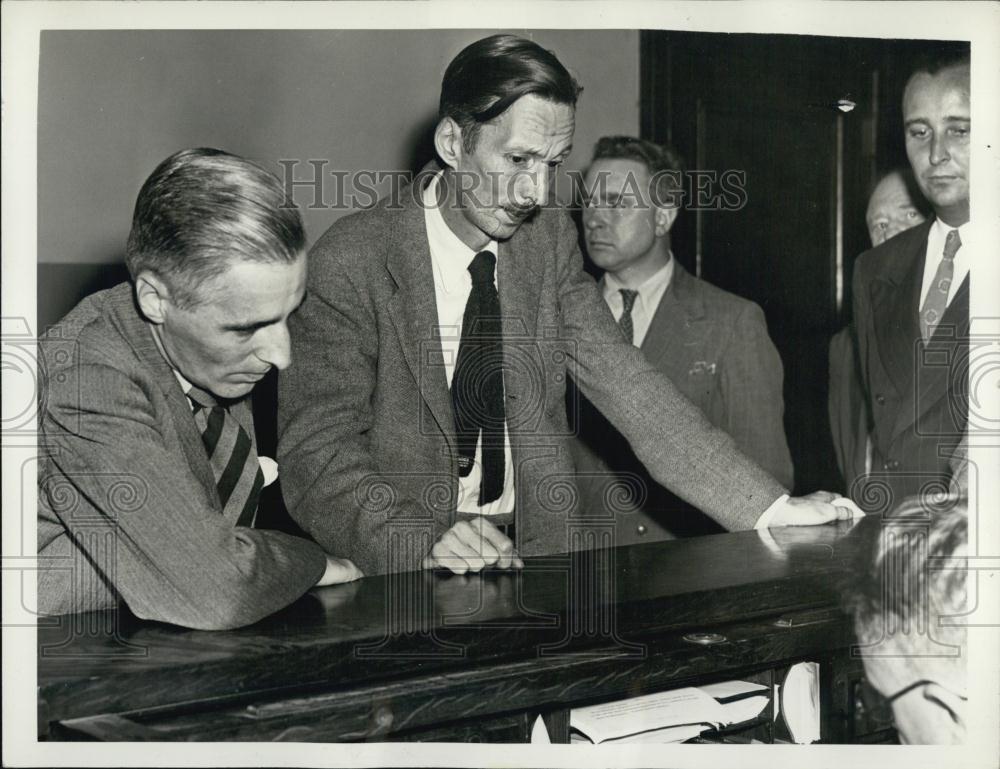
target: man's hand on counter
339 570
473 546
814 509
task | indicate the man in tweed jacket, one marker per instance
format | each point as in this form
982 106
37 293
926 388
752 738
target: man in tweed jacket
367 436
132 506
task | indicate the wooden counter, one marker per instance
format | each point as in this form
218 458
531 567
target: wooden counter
433 656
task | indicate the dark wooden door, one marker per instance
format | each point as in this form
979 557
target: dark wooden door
797 121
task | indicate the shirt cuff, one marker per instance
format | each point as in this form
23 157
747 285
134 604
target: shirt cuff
765 520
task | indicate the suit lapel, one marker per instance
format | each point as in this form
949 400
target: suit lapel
894 297
140 337
675 325
413 309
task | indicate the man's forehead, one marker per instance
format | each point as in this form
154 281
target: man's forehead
615 174
533 119
947 89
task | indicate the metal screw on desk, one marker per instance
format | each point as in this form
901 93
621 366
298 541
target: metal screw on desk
705 639
382 718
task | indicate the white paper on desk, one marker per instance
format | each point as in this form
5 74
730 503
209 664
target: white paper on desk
724 690
800 702
539 734
613 720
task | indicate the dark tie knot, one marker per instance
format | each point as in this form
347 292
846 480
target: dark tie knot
482 267
629 296
952 243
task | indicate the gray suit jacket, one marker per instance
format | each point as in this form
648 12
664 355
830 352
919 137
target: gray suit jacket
715 348
366 431
128 506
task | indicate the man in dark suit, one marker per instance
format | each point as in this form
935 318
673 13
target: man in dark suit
895 205
149 485
424 423
911 301
712 344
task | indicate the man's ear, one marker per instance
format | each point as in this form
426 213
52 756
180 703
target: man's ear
947 699
152 295
665 218
448 141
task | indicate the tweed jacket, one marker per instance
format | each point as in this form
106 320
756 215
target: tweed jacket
128 507
916 394
715 348
366 430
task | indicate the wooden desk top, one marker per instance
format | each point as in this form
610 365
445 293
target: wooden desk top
393 626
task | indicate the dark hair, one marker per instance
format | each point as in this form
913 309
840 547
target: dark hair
940 55
200 210
489 75
662 161
911 574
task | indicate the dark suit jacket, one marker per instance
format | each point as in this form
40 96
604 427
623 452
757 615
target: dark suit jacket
715 348
366 431
916 394
128 506
846 408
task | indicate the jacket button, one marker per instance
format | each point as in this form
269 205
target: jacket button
640 529
880 399
892 464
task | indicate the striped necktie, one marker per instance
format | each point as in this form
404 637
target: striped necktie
936 301
238 477
625 321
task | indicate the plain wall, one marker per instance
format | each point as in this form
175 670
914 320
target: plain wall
112 104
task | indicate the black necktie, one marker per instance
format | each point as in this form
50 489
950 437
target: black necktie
477 384
625 321
238 477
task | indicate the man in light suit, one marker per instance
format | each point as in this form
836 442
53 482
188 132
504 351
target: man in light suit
423 424
911 301
712 344
150 479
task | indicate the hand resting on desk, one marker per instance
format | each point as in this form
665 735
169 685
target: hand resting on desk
472 546
339 570
815 509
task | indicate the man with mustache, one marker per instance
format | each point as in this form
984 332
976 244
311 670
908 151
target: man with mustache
149 485
911 299
424 422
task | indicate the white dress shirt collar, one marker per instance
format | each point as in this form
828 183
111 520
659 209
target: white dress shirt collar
449 254
935 251
651 292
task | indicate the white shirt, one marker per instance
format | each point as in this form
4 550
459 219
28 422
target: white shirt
450 259
935 253
651 291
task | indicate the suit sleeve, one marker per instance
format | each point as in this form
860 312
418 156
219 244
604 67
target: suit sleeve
752 377
139 515
331 481
668 433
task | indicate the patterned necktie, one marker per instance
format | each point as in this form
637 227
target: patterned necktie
477 385
936 300
238 477
628 302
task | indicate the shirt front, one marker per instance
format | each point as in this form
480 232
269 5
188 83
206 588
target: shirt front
935 253
450 259
651 291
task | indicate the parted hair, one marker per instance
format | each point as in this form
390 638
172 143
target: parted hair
488 76
663 162
201 210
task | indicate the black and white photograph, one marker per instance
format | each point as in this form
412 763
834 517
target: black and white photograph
501 384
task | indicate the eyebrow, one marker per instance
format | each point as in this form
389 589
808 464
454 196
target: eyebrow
258 324
536 153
